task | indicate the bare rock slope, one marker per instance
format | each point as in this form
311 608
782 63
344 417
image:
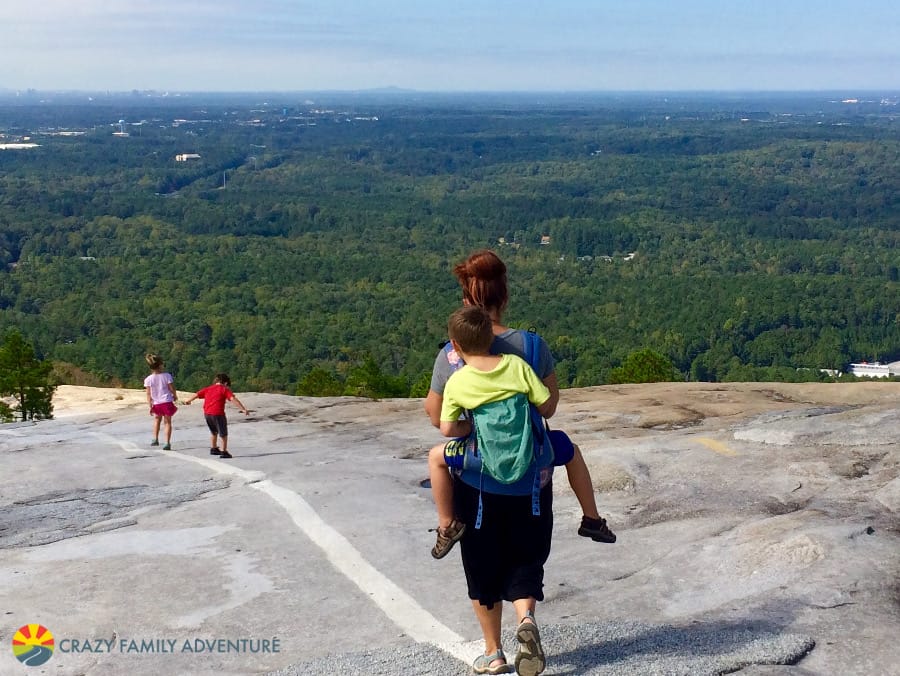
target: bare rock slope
758 524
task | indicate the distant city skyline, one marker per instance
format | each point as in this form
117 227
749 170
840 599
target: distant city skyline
466 46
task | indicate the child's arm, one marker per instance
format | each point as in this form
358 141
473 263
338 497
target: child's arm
172 390
149 400
240 405
450 424
187 402
456 428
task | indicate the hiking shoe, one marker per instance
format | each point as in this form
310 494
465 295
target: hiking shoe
446 538
225 455
167 447
482 664
215 451
596 530
530 660
154 442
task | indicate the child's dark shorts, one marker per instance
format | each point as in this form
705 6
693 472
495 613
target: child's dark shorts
217 424
459 453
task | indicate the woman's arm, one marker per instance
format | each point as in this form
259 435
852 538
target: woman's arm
433 402
548 408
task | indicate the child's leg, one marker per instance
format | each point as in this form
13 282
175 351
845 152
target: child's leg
222 428
440 459
156 421
168 425
592 524
441 485
213 440
581 483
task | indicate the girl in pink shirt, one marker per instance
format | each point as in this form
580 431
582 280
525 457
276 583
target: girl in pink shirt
161 397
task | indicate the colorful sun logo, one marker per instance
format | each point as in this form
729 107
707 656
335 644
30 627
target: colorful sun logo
32 645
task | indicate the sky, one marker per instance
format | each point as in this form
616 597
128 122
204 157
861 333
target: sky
458 45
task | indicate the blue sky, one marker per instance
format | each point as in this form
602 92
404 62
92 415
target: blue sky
464 45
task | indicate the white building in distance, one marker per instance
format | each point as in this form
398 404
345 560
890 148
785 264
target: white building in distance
875 369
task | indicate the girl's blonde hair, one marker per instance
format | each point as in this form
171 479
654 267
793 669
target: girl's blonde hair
154 361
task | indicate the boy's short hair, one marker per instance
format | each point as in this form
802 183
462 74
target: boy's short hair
223 379
472 329
154 361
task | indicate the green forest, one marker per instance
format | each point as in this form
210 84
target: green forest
308 249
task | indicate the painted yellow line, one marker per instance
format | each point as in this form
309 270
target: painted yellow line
717 446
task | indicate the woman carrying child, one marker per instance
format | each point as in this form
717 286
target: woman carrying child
504 557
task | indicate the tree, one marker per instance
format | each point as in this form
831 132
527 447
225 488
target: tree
320 383
368 380
644 366
25 378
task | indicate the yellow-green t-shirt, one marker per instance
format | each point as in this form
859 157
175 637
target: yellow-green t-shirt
468 388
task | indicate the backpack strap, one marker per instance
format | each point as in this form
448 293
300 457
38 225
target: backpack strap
532 343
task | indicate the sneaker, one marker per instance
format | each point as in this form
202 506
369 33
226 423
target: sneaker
530 660
155 442
225 455
167 447
446 538
215 451
596 530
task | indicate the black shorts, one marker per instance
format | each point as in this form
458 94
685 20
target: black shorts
504 559
217 424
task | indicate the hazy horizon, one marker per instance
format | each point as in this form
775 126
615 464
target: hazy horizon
569 46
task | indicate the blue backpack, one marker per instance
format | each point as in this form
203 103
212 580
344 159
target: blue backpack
475 472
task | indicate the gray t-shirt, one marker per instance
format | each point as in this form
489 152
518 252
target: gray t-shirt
509 342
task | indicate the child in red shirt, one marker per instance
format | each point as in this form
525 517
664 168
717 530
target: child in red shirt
214 398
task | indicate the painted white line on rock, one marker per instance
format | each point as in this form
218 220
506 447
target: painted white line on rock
414 620
399 606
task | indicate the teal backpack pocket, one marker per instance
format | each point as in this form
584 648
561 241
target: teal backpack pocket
505 438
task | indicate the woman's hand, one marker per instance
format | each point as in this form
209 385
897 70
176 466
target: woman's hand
456 428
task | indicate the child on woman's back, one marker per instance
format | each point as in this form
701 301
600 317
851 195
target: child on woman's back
486 379
161 397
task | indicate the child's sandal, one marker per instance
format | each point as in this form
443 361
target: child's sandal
482 664
446 538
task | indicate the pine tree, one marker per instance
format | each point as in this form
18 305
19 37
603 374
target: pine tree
25 378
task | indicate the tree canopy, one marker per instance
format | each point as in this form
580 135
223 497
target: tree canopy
309 248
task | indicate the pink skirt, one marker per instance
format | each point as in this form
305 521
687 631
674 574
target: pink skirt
166 409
